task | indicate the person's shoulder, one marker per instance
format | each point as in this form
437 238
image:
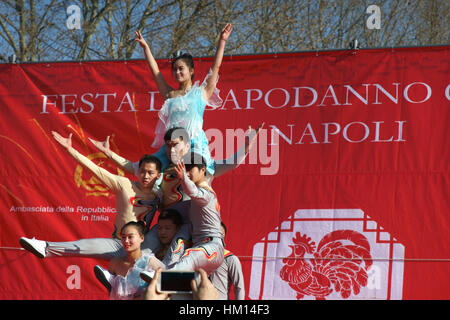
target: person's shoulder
227 253
206 188
231 258
172 94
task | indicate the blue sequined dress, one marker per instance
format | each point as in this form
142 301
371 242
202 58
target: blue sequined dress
186 111
131 286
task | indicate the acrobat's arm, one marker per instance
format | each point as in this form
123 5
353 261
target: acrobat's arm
109 179
199 195
104 147
223 166
212 80
161 83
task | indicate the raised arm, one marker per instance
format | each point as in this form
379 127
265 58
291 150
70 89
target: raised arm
104 147
211 80
199 195
112 181
231 163
161 83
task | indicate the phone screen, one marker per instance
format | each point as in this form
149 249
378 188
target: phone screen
173 281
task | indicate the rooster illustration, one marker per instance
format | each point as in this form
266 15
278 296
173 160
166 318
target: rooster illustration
340 262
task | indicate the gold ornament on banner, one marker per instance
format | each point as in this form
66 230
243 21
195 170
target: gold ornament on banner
92 184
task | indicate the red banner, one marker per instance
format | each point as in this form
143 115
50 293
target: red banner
345 195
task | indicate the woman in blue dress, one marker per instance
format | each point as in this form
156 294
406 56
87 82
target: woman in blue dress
184 106
127 283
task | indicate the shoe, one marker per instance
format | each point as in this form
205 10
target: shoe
147 276
35 246
103 276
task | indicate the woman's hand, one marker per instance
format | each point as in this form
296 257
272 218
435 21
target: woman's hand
139 38
226 31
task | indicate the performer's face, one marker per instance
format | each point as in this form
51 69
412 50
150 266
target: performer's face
148 174
181 71
131 239
176 149
166 231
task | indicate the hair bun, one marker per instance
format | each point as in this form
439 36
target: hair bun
180 53
177 53
141 223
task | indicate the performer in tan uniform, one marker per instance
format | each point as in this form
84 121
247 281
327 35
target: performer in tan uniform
135 200
177 144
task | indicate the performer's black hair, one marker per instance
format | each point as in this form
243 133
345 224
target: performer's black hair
192 159
140 226
152 159
173 215
177 133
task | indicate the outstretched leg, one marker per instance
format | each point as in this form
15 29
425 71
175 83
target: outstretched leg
98 248
207 255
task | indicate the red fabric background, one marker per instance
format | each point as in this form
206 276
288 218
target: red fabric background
403 185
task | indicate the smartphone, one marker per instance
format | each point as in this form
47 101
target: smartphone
176 281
